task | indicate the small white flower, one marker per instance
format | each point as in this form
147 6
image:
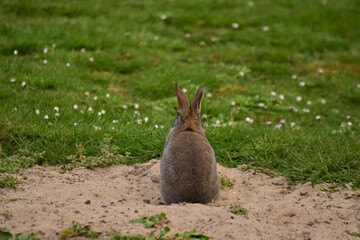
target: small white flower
45 50
241 74
57 114
37 111
113 128
161 126
91 59
75 124
213 39
125 107
320 70
187 35
136 106
23 84
230 123
235 25
249 120
75 107
308 102
95 98
45 61
96 128
349 123
90 109
15 52
136 112
278 126
323 101
83 50
301 84
273 93
306 110
146 119
281 97
208 95
163 17
13 80
358 86
348 117
56 109
103 111
184 90
265 28
115 121
292 124
139 121
232 103
317 117
294 76
108 95
298 98
68 64
217 122
261 105
156 126
46 117
99 113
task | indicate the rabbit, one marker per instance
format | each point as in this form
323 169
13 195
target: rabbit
188 166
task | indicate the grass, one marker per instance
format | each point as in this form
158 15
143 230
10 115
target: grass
238 209
124 57
77 229
225 183
151 221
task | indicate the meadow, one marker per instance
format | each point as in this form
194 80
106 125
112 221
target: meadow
91 83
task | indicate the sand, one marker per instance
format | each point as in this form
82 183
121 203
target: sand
107 198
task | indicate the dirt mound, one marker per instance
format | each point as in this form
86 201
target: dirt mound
107 198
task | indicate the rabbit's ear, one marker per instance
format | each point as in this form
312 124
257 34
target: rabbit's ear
196 102
182 99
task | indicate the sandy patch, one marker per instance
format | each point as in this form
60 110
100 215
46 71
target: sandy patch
120 193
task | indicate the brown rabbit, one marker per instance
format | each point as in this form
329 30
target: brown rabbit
188 165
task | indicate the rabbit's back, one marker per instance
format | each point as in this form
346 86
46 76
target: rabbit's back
188 169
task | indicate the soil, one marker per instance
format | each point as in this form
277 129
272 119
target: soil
108 198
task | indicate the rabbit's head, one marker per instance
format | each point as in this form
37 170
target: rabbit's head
188 118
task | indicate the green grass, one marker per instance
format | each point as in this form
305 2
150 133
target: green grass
140 49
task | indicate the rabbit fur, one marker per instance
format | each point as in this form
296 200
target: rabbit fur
188 165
